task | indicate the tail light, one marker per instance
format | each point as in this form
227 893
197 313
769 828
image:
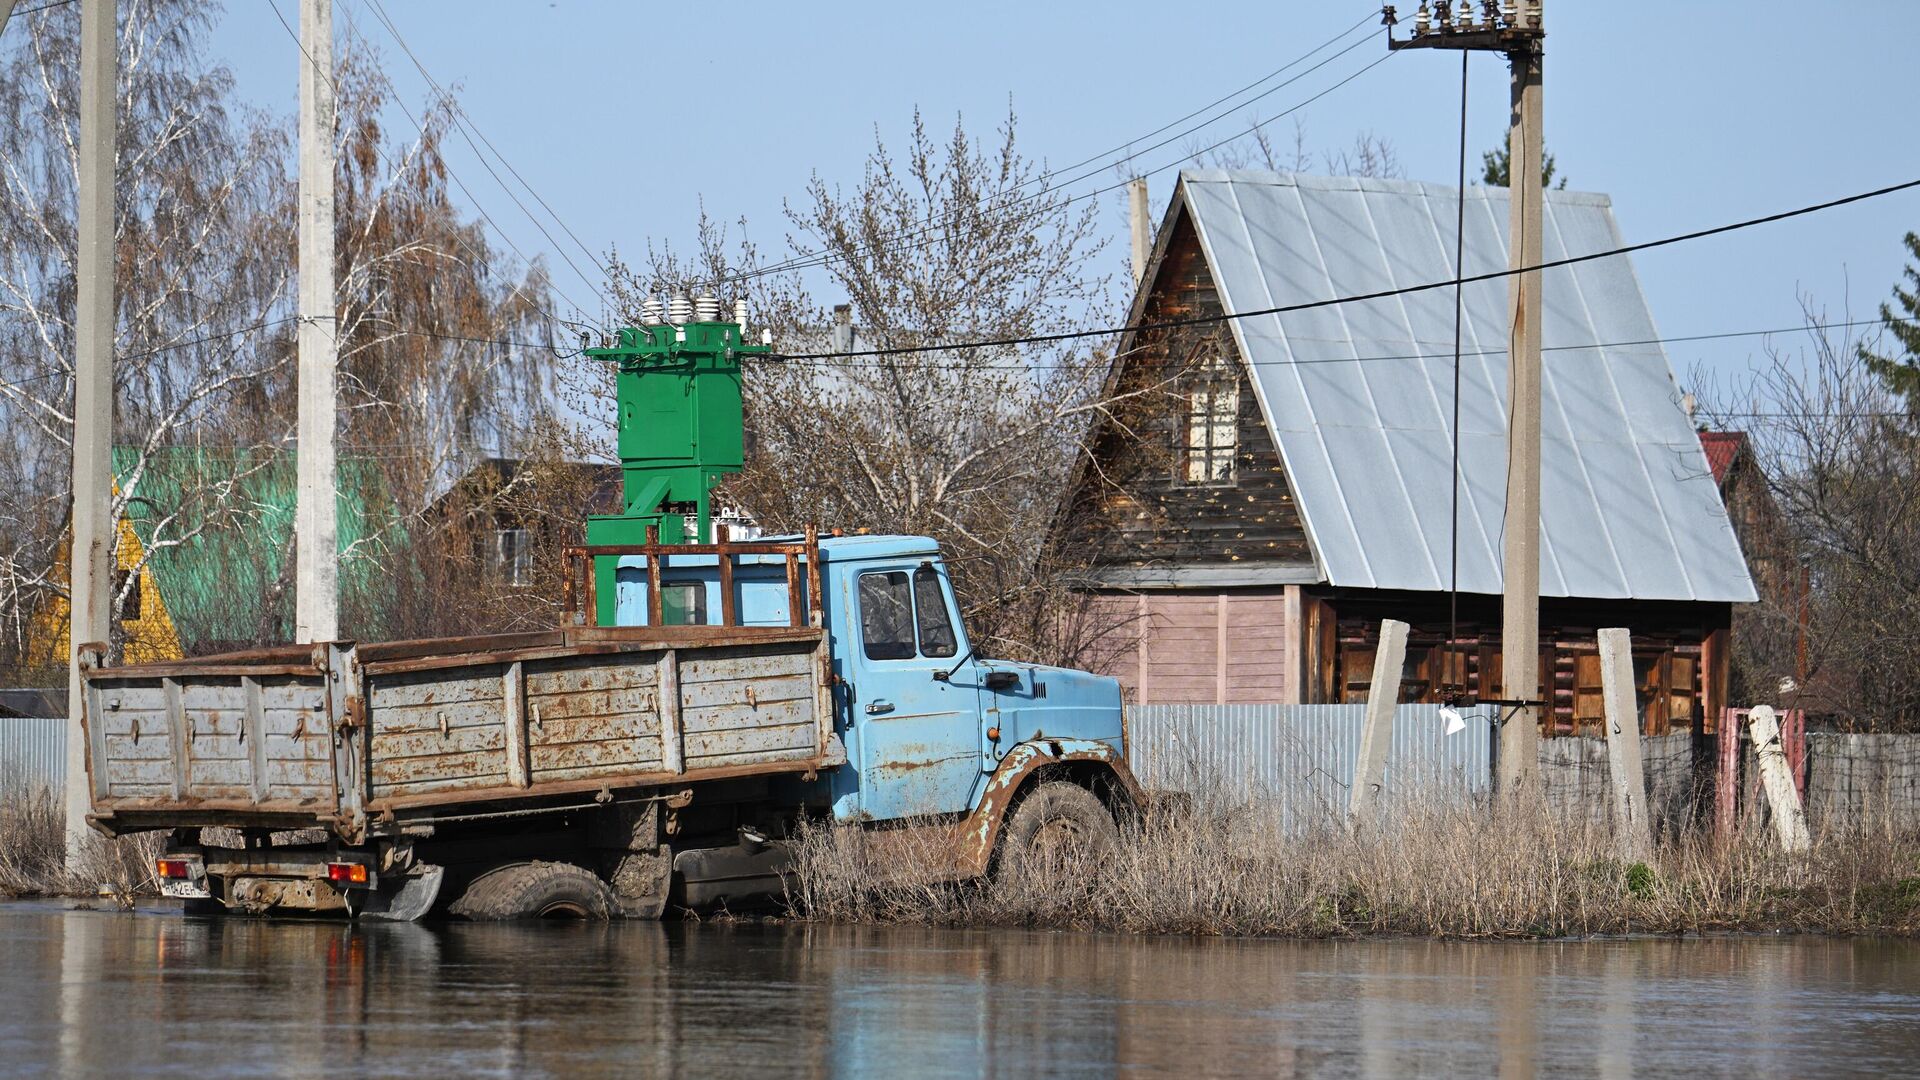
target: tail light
347 873
172 868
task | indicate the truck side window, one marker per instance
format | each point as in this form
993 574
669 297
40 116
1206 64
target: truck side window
936 625
683 603
886 616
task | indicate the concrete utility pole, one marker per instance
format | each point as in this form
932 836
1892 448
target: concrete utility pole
1776 779
1516 29
1632 823
1137 207
316 547
90 573
1520 542
1383 695
6 12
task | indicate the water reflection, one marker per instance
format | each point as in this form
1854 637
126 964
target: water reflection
104 993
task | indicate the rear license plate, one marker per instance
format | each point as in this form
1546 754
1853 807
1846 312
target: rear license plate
185 888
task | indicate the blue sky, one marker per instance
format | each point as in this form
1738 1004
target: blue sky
625 116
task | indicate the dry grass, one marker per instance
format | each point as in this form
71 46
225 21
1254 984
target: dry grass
1462 872
33 852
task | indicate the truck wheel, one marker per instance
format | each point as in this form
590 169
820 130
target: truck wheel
1055 821
536 890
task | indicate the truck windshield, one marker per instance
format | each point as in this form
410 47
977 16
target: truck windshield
936 625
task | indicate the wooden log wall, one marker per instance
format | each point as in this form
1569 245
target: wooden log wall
1136 509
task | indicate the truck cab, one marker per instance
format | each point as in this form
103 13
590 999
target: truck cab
924 717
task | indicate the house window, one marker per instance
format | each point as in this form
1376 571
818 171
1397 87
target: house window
513 556
1211 433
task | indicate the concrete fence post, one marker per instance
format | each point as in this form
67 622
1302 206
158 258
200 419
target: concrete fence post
1776 776
1370 767
1632 830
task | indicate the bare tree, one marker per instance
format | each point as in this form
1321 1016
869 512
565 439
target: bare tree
1841 453
202 222
1369 154
954 241
443 343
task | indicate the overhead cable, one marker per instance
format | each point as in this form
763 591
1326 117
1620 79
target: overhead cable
1007 199
1381 294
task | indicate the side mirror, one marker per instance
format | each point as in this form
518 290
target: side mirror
1003 680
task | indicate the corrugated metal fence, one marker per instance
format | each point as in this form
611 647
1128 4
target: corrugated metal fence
1300 758
33 752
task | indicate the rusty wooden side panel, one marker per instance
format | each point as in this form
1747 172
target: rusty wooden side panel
436 730
593 716
617 718
260 740
176 740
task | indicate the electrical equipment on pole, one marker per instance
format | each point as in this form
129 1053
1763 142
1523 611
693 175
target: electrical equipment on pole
681 429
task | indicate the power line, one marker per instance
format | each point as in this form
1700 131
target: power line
222 334
170 347
459 111
824 260
1382 294
569 354
1128 145
1865 414
204 338
1007 199
1440 354
42 7
1459 305
461 184
795 261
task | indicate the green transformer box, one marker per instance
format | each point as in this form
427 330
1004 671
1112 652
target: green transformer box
681 430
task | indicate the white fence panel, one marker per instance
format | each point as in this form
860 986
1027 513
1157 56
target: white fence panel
33 752
1300 758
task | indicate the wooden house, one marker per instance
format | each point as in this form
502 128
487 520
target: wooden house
1269 487
518 514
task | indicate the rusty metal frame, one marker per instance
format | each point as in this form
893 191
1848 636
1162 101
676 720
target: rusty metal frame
579 606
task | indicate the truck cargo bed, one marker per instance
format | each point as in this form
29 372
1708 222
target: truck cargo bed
352 736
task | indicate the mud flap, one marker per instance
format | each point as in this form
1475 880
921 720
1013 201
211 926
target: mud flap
418 891
642 881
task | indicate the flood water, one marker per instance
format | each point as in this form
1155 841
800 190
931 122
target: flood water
154 992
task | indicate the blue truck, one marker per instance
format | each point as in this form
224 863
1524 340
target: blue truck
698 706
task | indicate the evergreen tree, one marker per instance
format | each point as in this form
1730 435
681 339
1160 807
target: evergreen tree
1496 168
1900 370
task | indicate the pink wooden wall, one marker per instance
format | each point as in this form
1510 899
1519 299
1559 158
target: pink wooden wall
1223 648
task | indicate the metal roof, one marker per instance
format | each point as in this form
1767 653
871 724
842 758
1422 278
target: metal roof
1629 508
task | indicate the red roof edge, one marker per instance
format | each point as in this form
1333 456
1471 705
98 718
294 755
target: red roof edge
1723 449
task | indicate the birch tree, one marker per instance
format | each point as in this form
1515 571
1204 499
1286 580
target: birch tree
202 217
442 341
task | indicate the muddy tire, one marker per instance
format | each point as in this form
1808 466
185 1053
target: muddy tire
1056 822
536 890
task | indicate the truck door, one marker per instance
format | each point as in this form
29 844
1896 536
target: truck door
919 744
